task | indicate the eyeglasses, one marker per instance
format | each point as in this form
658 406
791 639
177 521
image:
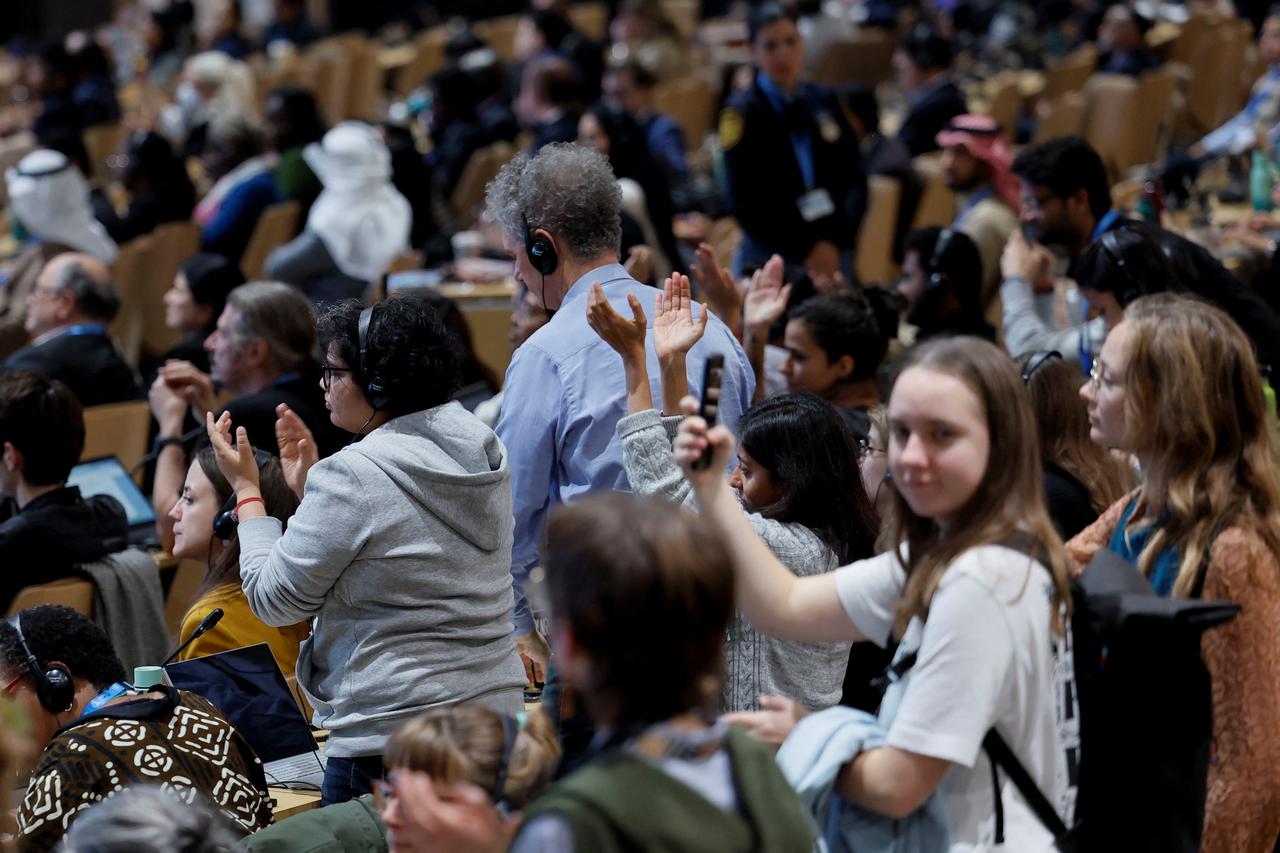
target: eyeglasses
327 371
1096 379
866 448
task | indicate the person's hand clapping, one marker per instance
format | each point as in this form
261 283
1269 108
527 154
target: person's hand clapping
767 297
297 448
191 384
167 406
692 441
626 337
676 328
235 459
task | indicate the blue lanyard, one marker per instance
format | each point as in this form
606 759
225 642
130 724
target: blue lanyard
801 141
288 377
87 329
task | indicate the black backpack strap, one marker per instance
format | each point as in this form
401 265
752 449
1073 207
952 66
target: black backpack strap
1002 756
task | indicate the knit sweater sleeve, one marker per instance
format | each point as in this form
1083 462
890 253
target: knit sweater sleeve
1242 810
1094 538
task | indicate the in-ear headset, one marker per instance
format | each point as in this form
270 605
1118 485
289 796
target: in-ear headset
224 523
375 389
541 251
1111 246
54 686
937 278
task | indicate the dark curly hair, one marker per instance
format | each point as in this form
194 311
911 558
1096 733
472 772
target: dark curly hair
54 632
409 349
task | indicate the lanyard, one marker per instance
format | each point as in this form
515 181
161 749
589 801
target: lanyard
801 141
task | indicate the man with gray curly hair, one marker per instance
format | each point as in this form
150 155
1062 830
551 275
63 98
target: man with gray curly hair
564 394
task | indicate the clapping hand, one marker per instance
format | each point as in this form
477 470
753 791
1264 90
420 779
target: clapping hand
767 296
191 384
676 328
297 448
235 460
625 336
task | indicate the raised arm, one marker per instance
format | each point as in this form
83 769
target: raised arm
774 600
626 337
676 328
765 304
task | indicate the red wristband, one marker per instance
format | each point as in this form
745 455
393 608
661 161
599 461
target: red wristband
249 501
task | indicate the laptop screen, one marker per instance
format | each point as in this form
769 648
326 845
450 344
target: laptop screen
107 476
246 685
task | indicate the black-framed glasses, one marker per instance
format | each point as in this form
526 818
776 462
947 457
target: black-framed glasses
327 371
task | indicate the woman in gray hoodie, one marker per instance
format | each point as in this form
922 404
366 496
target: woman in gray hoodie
400 549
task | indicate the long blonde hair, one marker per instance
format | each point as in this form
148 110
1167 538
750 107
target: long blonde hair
1010 497
1196 414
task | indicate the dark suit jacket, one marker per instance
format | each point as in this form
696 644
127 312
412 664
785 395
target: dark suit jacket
89 364
257 413
929 116
764 177
563 129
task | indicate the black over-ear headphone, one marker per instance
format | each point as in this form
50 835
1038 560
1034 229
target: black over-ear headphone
937 278
1111 245
541 251
224 523
54 686
375 388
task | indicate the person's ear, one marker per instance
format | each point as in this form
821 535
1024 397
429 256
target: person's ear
12 457
844 366
65 305
256 351
1078 202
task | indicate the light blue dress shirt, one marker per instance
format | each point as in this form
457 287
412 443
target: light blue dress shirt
565 392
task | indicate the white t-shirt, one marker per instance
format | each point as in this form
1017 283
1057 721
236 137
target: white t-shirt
985 659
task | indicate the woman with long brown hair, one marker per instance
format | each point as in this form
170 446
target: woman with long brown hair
1081 478
1178 386
975 619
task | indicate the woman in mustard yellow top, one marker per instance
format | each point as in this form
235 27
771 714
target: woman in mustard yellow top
205 496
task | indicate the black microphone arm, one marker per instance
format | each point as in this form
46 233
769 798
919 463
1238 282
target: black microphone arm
203 628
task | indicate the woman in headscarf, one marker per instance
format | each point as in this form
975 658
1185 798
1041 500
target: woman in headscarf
358 225
50 208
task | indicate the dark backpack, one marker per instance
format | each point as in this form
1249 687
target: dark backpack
1146 714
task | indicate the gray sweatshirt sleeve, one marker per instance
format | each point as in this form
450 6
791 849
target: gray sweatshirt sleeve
287 577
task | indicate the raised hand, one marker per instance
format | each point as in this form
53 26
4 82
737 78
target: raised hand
235 460
625 336
718 287
297 448
676 328
767 296
639 263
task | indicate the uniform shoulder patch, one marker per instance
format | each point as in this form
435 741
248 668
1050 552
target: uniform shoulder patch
731 126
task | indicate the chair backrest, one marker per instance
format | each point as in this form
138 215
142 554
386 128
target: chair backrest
1153 121
874 259
181 594
121 430
101 141
937 204
428 57
1004 98
128 274
1070 74
500 34
865 56
12 150
591 19
171 244
76 593
482 167
1110 106
277 226
690 100
1063 116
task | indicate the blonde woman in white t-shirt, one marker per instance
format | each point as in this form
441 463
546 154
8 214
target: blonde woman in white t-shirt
982 619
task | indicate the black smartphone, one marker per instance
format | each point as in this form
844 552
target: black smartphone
712 374
1028 231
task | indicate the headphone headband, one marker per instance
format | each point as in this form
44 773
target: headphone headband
1036 362
935 277
375 389
1110 241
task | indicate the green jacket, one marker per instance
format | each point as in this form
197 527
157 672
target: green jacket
351 827
623 803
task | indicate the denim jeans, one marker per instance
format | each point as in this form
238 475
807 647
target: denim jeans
348 778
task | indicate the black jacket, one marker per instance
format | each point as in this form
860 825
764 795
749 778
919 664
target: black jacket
929 116
89 364
563 129
764 180
49 537
257 413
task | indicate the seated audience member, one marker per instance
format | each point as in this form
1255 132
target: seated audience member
50 208
645 196
204 531
549 102
809 209
883 155
942 284
642 31
166 41
194 303
52 75
630 87
260 352
158 186
547 30
459 776
412 179
1122 45
47 527
147 818
67 316
289 24
244 185
216 92
1177 385
455 129
922 64
411 593
977 164
834 350
227 27
1081 478
792 477
293 122
358 225
99 736
1261 113
975 649
527 316
616 565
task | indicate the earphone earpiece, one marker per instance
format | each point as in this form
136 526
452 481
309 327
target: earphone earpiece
375 389
224 523
540 249
55 688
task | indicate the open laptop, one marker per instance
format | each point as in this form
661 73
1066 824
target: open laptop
246 685
108 476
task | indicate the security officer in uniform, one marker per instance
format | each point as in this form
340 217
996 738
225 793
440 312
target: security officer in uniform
793 170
